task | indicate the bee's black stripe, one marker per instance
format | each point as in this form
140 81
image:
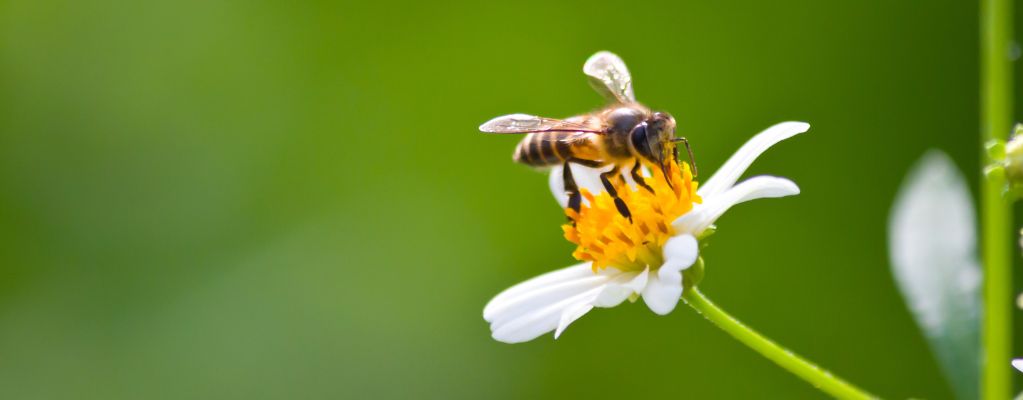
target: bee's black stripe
562 149
535 156
522 153
547 149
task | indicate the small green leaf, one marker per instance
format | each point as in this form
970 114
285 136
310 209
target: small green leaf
933 248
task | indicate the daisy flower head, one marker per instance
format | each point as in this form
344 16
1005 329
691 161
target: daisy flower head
642 258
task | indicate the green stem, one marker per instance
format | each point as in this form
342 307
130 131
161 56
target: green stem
795 364
996 120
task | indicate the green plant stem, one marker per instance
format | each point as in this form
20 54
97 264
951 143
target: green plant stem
795 364
996 121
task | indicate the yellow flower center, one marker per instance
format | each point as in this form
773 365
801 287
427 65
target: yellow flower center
606 238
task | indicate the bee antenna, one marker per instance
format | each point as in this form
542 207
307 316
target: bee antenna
692 160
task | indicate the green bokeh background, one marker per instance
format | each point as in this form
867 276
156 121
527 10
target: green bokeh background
234 199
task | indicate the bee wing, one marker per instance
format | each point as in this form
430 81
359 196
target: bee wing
609 76
525 123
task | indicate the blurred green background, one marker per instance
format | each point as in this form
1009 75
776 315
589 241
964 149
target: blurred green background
238 199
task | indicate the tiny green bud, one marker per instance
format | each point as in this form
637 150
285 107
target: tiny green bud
693 275
995 149
706 233
995 171
1014 159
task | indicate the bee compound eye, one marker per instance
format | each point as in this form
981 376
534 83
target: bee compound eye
641 140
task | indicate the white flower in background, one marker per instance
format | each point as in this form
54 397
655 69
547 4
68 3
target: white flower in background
643 258
1018 363
932 243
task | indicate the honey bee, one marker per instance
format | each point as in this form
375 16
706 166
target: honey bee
624 134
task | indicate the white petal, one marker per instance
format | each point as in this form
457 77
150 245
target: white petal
552 301
613 294
626 173
533 300
663 292
680 252
1018 363
589 178
542 320
570 315
665 287
621 288
703 215
551 278
730 172
585 177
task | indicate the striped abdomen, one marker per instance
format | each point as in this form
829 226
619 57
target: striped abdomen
542 149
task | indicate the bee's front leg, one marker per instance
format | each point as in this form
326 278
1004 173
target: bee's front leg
637 176
623 209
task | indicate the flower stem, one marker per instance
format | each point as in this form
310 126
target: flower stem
795 364
996 121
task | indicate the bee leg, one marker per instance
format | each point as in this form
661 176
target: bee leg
638 176
575 199
587 163
619 203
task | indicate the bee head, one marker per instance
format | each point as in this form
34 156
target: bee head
652 139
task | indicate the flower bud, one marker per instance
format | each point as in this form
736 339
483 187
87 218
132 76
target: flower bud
693 275
1014 157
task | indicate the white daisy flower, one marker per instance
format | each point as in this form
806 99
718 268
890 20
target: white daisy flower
643 258
1018 364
